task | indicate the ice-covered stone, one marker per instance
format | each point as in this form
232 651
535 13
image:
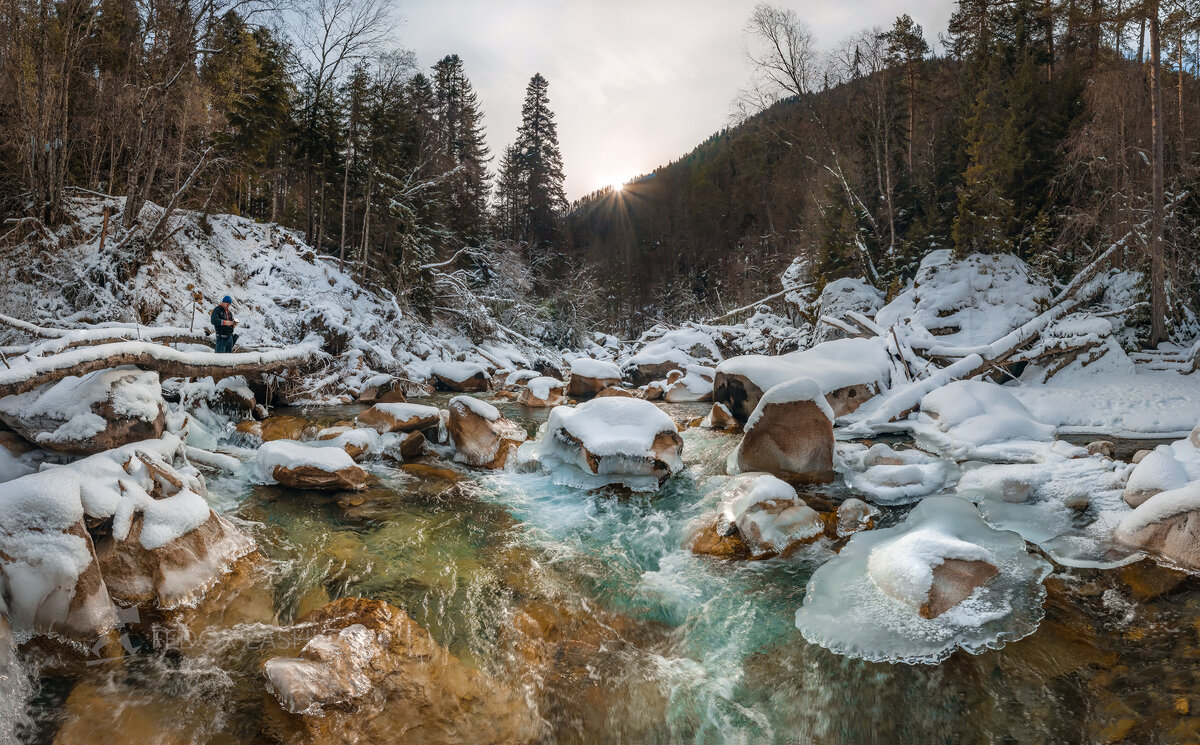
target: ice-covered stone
919 590
893 477
764 514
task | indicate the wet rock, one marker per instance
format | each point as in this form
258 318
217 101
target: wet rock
434 473
1102 447
482 438
414 445
461 377
720 418
398 417
1147 580
286 427
543 392
790 435
762 512
708 542
589 377
114 714
89 414
854 515
616 390
1166 525
370 674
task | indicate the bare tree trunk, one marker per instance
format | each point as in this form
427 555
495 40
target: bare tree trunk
1182 130
1158 302
345 197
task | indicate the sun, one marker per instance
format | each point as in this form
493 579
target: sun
617 186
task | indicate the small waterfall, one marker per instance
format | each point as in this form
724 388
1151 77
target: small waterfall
15 688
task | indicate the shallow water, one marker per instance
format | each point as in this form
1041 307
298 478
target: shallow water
652 644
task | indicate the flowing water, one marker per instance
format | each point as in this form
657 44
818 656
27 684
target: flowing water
643 641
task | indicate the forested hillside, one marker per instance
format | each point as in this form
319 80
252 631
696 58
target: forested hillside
1049 130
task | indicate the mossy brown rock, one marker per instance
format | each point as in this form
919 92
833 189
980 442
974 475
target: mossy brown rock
369 674
286 427
482 438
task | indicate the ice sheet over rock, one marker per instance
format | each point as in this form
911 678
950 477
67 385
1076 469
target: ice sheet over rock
612 440
848 610
892 477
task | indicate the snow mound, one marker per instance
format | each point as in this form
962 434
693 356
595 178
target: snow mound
612 440
892 477
542 385
968 419
678 348
291 455
458 372
587 367
968 302
866 602
842 296
766 513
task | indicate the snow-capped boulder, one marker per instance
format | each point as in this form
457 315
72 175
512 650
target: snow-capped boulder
542 391
303 466
231 395
695 385
893 477
848 372
604 441
589 377
1166 525
720 418
970 419
369 673
1165 468
842 296
461 377
790 434
481 437
674 350
382 389
759 517
398 417
517 379
939 581
88 414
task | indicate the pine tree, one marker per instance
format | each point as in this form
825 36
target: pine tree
985 213
460 123
533 175
907 48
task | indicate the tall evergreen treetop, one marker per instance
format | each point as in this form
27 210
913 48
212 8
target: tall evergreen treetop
538 169
460 121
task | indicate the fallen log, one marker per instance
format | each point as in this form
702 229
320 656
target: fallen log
90 336
167 362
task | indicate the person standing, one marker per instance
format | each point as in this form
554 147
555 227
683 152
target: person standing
224 323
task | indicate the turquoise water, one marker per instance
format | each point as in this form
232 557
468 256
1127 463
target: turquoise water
651 644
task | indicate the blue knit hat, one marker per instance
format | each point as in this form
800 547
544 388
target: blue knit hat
226 299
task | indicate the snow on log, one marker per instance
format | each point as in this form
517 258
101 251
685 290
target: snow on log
105 334
167 362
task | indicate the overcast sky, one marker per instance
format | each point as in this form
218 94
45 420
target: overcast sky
633 83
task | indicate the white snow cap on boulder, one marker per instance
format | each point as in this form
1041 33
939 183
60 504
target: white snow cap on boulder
939 581
611 440
840 297
971 419
599 369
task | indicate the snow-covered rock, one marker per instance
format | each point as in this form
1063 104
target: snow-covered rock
848 371
854 515
695 385
589 376
967 302
302 465
517 379
939 581
1165 468
969 419
758 517
673 350
1166 525
481 437
399 417
789 434
543 391
842 296
893 477
604 441
462 377
88 414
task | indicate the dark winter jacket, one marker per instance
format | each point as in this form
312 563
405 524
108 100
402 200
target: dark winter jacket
222 314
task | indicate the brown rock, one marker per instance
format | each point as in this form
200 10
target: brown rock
372 675
414 445
434 473
720 418
953 582
481 442
476 383
351 478
653 391
740 395
792 440
401 418
14 443
250 428
286 427
1102 447
387 392
555 397
708 542
641 375
1147 580
1139 455
616 390
115 715
1175 538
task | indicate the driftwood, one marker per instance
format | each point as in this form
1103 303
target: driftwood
167 362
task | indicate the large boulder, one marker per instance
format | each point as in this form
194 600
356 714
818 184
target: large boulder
371 674
764 515
482 438
399 417
84 415
696 384
543 392
673 350
461 377
301 466
589 377
382 389
625 441
790 434
848 372
1166 525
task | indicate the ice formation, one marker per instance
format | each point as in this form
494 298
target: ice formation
766 513
970 419
893 477
867 602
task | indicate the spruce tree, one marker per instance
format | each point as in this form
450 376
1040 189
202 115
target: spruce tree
534 175
460 123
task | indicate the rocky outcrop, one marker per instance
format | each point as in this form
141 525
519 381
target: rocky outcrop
398 417
388 391
482 438
89 414
460 377
370 674
790 435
